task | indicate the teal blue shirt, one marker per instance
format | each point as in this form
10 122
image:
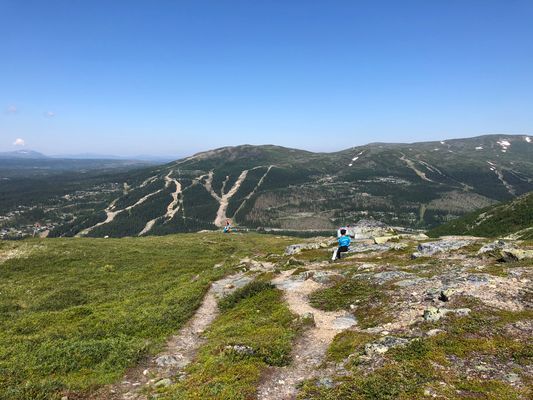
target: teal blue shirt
344 241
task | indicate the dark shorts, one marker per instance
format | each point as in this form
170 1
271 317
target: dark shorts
342 249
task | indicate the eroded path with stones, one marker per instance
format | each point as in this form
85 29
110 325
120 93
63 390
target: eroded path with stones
279 382
417 296
179 351
310 348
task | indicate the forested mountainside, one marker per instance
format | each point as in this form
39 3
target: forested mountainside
416 185
513 218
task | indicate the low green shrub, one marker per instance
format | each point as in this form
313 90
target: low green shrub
245 292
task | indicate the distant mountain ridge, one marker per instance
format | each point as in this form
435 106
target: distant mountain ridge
417 185
35 155
26 154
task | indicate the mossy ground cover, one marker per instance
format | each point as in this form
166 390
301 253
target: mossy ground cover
346 343
430 363
75 313
255 317
370 300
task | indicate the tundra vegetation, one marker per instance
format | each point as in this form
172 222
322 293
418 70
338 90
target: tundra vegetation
75 313
79 313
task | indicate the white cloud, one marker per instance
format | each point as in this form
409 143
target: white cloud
19 142
12 109
50 114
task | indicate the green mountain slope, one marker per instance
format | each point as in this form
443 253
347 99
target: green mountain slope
418 185
500 220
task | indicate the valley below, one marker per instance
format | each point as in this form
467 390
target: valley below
419 186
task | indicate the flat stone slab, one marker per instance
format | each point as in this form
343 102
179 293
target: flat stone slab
408 282
444 245
344 322
226 286
478 279
289 284
386 276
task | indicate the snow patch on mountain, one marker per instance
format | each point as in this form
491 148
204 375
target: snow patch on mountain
355 158
505 144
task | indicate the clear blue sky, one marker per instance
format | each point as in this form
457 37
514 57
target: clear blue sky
175 77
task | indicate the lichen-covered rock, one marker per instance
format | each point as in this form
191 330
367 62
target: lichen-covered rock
325 277
228 285
434 332
444 245
307 319
387 276
297 248
462 312
446 294
163 383
433 314
325 382
305 275
414 236
383 239
398 246
512 377
384 344
478 279
361 247
293 262
408 282
294 249
344 322
171 361
509 255
239 349
492 247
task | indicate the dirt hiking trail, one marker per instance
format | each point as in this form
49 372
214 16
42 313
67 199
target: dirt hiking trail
179 351
310 348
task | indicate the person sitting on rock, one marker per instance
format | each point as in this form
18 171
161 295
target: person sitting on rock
339 234
344 243
227 228
346 228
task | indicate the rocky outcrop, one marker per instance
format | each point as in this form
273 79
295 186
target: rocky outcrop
509 254
369 229
444 245
433 314
364 246
504 251
319 244
490 248
384 344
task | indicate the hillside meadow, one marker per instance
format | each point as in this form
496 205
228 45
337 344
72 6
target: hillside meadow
76 313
